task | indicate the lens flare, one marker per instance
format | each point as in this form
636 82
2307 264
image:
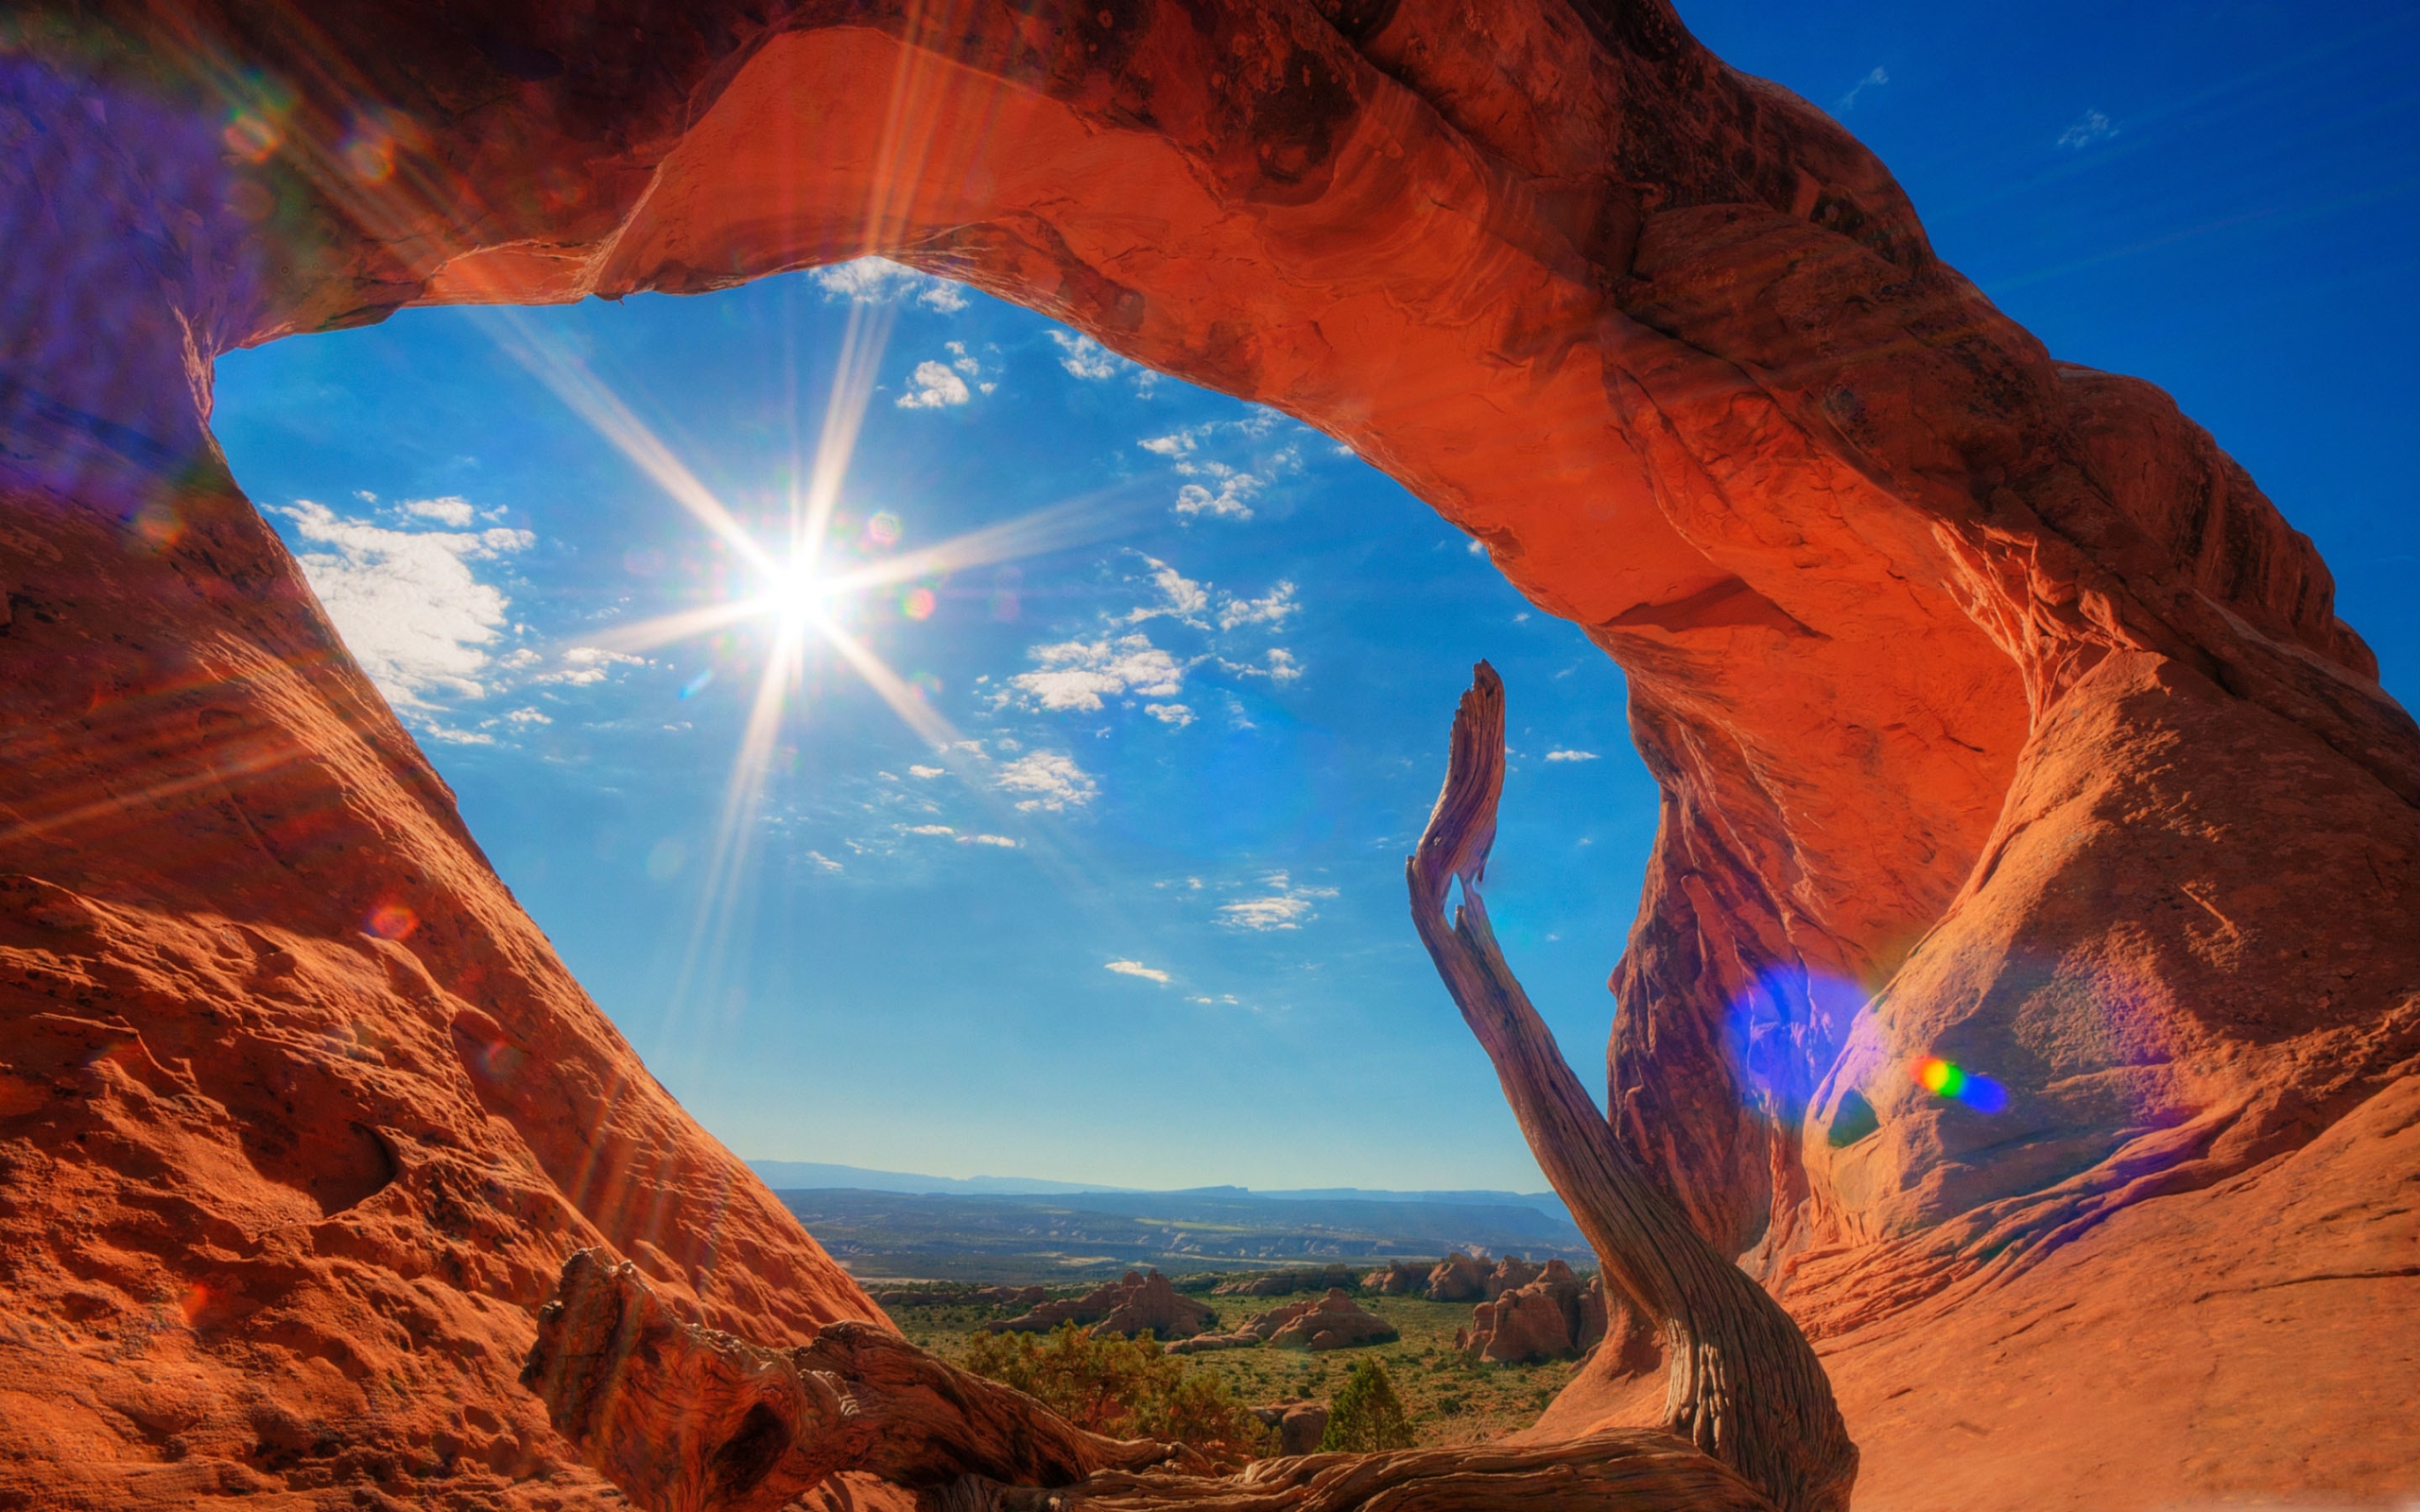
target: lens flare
392 921
883 529
917 603
1949 1080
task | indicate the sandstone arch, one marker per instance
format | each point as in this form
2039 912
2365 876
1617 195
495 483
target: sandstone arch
1985 684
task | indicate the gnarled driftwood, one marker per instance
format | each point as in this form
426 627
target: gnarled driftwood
1744 1385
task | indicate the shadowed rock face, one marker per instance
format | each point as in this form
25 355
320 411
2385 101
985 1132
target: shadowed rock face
2000 718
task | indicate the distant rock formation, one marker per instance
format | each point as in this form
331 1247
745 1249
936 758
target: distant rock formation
1397 1280
1282 1282
1013 1296
1511 1273
1458 1278
1335 1321
1552 1317
1128 1305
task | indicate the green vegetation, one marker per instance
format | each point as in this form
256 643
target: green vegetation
1126 1388
1366 1414
1447 1397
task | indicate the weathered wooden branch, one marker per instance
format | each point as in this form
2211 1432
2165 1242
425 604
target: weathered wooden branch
1744 1387
687 1420
1618 1471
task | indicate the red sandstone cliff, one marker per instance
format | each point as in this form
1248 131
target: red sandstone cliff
1998 717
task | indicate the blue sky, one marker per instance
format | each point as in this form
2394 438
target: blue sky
1143 923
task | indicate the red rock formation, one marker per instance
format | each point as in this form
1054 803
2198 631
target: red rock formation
1458 1278
2000 718
1335 1321
1511 1274
1553 1316
1128 1306
1397 1280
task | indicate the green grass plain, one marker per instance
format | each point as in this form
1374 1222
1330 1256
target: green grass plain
1450 1400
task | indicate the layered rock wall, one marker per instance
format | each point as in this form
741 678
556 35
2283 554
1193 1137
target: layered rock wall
2000 720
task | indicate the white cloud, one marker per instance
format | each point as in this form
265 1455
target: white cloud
528 716
1000 840
435 730
1054 780
1176 444
926 829
1278 667
408 604
936 388
1571 755
1085 358
1179 596
1138 969
1077 674
1477 547
926 772
1231 501
1873 80
1273 609
450 510
823 860
2090 127
1284 905
587 665
1175 715
879 280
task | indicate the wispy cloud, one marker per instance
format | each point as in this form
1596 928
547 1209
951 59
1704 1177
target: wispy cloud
879 280
1571 755
587 665
1273 609
1137 969
2090 127
1224 488
411 603
1176 715
1001 841
1281 905
1079 674
1052 779
934 386
1872 80
928 773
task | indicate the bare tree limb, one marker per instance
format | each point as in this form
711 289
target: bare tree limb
1744 1387
1619 1470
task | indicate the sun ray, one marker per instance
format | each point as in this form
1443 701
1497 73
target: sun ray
905 702
647 635
588 397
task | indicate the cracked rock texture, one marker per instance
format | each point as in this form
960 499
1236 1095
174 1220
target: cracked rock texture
2000 718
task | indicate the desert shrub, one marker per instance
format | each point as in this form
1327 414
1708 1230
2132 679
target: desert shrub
1125 1388
1366 1414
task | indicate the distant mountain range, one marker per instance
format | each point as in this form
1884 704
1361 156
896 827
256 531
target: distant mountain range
815 1175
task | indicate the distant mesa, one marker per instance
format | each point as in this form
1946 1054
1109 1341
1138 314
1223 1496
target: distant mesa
1133 1304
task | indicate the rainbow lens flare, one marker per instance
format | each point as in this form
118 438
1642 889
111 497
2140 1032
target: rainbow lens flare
917 603
1943 1078
392 921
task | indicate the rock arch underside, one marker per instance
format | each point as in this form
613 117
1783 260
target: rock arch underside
1998 717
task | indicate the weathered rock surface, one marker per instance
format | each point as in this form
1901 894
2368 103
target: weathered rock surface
1554 1316
1458 1278
1335 1321
2000 718
1205 1342
1130 1305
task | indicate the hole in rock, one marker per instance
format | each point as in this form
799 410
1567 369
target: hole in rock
997 717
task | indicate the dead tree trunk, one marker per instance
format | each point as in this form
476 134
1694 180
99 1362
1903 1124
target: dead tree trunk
1744 1385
